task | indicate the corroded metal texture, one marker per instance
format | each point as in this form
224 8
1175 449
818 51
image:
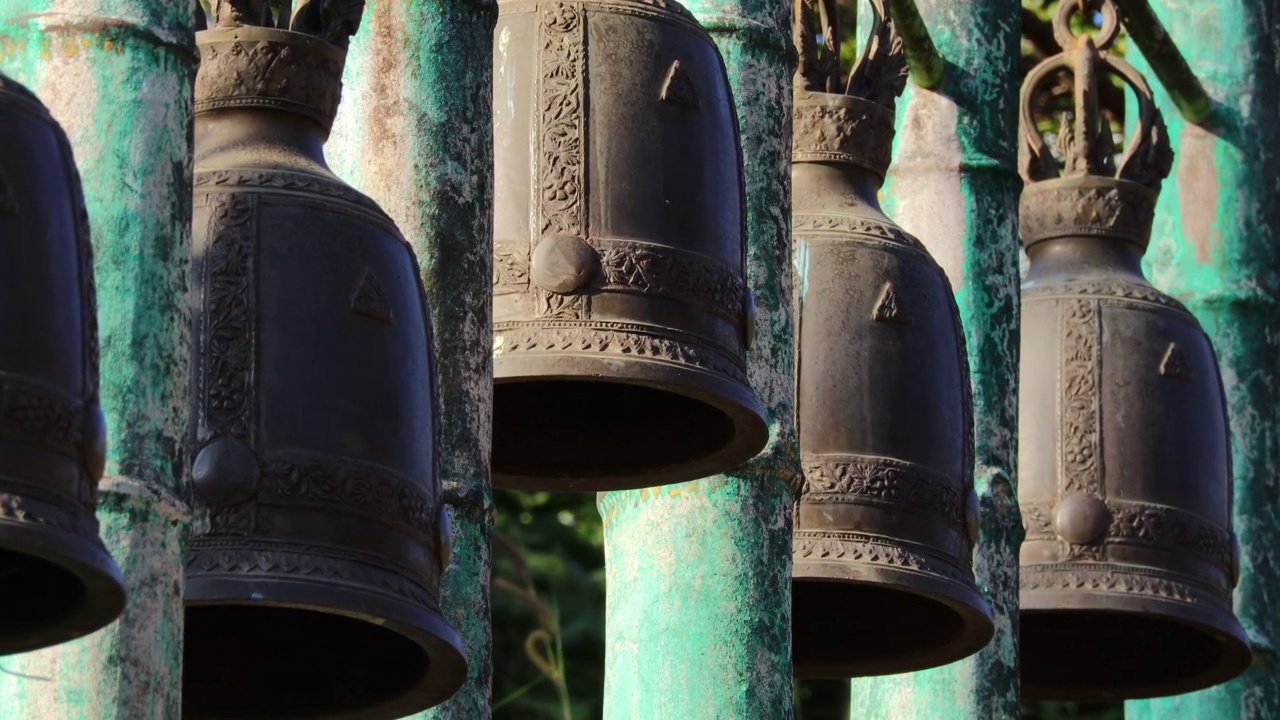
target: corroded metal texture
621 315
886 521
57 581
698 616
1216 247
418 85
319 536
1129 559
954 185
117 76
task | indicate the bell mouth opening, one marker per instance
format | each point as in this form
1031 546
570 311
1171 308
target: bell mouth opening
37 598
282 662
599 435
844 630
1090 655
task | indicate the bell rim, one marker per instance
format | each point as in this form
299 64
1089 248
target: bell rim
1218 624
959 597
423 626
735 400
88 561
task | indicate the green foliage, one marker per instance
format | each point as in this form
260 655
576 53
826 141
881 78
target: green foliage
548 607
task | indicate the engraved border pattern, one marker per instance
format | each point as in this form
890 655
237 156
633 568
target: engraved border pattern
209 559
1109 578
670 272
34 414
1156 525
850 478
347 487
1105 288
873 550
610 338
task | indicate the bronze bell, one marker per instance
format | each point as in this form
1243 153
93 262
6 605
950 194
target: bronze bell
1124 456
885 525
313 569
57 581
621 317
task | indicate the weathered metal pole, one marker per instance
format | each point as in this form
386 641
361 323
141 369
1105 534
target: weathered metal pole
955 186
699 574
415 132
1162 54
1216 246
117 74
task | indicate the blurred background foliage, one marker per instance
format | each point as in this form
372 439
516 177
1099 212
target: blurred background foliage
548 552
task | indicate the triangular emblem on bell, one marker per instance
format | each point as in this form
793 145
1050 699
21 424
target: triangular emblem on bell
882 577
621 313
1124 458
57 580
319 537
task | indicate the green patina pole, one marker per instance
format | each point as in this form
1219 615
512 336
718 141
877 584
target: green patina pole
415 132
955 185
1216 246
699 574
117 75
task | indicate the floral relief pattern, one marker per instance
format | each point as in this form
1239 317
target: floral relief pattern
849 478
1079 439
669 272
34 414
228 352
347 487
561 157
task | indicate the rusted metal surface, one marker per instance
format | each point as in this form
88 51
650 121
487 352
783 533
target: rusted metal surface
1129 559
320 537
885 525
621 313
57 580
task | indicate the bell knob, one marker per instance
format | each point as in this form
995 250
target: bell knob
564 263
444 528
972 516
225 473
1081 518
94 439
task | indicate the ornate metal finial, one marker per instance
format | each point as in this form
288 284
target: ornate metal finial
881 71
1084 140
269 54
333 21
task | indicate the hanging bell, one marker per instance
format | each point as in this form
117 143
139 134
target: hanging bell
1124 457
621 317
313 569
57 581
885 525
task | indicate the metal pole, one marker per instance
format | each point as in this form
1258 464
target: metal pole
922 55
118 77
1164 58
955 186
1216 246
415 132
699 574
